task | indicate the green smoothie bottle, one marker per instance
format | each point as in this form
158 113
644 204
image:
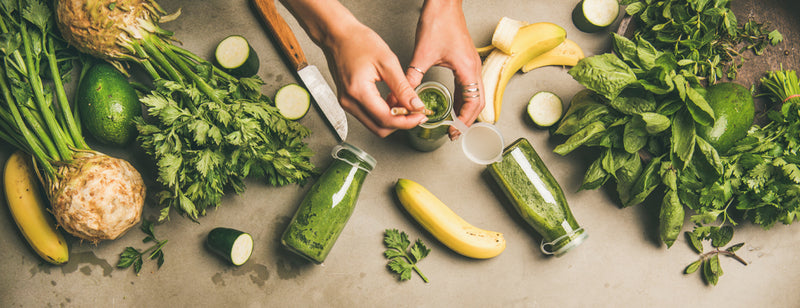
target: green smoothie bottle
537 197
327 207
430 136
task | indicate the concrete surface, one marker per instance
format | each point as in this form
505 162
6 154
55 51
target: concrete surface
620 265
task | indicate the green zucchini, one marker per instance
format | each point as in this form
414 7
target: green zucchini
595 15
545 109
233 245
235 55
292 101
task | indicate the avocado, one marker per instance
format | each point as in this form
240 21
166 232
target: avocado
107 104
734 111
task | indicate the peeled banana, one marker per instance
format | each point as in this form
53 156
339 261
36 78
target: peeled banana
527 42
445 225
29 209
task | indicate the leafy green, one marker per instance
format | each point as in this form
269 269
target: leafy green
705 35
709 262
133 257
403 260
203 147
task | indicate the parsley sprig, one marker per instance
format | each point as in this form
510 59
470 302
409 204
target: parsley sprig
402 259
132 256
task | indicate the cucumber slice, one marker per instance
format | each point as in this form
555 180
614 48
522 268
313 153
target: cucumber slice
545 109
233 245
595 15
292 101
235 55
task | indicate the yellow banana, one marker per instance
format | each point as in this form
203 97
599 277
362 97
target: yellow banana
445 225
28 207
567 53
529 42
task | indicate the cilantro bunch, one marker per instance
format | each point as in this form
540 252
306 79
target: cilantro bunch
705 32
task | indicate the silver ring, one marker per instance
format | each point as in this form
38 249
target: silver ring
476 95
470 90
416 69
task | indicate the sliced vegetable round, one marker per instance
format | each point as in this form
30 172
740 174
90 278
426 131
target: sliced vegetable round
545 108
233 245
595 15
292 101
235 55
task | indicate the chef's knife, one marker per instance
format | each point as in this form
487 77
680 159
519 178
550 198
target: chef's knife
309 74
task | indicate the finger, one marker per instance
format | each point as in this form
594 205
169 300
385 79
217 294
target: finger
469 96
378 110
355 109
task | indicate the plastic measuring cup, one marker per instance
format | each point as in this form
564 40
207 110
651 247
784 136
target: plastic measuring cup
482 142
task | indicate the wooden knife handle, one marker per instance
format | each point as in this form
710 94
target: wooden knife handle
282 33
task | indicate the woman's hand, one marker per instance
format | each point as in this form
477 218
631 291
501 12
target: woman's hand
358 58
443 40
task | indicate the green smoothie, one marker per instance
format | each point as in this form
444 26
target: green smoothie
537 197
328 205
429 136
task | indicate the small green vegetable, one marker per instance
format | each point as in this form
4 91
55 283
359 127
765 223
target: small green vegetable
402 259
132 256
293 101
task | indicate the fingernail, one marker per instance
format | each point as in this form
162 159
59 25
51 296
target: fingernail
417 103
423 120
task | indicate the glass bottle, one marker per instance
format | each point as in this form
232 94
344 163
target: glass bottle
327 206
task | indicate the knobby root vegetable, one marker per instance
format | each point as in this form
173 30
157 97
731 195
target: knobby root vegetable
98 197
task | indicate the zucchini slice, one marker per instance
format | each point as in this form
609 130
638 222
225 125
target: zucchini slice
292 101
233 245
595 15
545 109
235 55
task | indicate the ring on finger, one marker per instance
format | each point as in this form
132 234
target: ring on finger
417 69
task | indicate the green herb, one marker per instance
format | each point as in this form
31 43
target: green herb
132 256
708 264
702 32
403 260
203 147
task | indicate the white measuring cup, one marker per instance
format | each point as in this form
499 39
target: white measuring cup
482 142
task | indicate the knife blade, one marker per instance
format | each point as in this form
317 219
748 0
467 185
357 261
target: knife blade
310 75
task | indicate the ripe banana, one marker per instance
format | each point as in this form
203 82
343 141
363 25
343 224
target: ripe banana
28 207
445 225
529 41
567 53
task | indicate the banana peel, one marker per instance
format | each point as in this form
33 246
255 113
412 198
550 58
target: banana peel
529 41
568 53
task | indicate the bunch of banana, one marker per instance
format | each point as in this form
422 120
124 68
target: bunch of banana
519 45
449 228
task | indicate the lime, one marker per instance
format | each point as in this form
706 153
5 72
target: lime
107 105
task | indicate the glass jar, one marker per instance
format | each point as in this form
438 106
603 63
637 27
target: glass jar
430 136
537 197
327 206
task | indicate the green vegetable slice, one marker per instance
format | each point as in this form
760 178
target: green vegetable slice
292 101
233 245
545 108
595 15
235 55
